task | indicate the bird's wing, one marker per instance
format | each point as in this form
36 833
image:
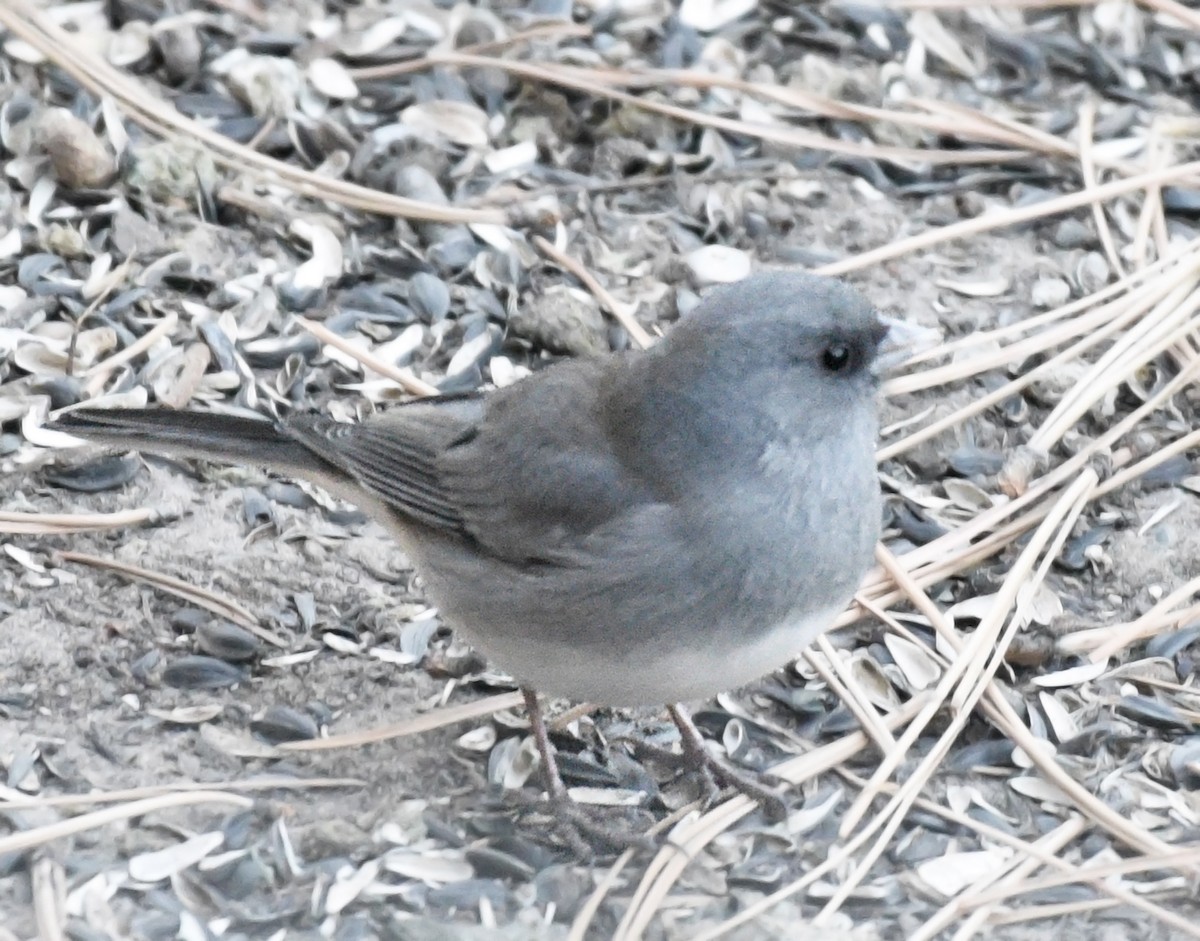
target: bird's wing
526 473
542 480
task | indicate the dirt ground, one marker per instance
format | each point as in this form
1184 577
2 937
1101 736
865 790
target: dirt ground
82 650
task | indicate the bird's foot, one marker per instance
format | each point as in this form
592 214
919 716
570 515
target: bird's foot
575 823
582 828
756 787
696 758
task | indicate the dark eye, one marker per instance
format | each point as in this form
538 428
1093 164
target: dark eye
836 357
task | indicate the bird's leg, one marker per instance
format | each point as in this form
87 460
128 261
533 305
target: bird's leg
697 756
575 824
537 723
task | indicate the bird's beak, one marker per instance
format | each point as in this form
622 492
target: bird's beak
902 341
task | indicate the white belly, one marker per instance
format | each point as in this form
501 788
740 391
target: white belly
654 677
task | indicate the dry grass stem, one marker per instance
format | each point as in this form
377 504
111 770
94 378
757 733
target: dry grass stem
1000 711
47 523
1087 166
1048 912
1002 219
165 326
967 679
1038 852
420 63
11 799
834 672
435 719
1096 640
1183 859
956 116
402 377
620 311
594 82
1164 453
1188 16
1150 217
940 118
40 836
1151 335
1102 325
987 337
994 835
1118 637
587 911
1093 327
49 882
992 530
218 604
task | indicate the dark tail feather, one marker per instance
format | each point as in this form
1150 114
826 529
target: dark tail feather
228 438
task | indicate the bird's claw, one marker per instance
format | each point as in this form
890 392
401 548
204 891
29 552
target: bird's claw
581 829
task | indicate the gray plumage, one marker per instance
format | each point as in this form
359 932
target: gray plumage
647 527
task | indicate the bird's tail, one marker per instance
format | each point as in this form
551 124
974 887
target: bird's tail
230 439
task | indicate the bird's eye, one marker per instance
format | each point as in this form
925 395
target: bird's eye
836 357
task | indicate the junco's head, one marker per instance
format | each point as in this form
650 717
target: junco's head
800 313
791 343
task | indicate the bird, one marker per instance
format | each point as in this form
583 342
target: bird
647 527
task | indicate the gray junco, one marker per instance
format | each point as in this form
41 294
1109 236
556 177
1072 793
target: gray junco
647 527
